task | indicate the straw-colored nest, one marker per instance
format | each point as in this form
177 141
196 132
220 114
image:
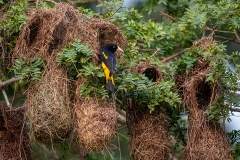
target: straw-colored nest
14 141
48 106
205 42
47 31
206 139
96 123
149 135
149 70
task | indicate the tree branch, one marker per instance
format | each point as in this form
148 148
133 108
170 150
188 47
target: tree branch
5 96
155 52
115 12
146 50
8 82
4 84
228 39
121 117
234 109
167 15
235 32
165 60
122 112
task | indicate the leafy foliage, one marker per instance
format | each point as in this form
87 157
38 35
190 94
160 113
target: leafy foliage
186 22
234 137
28 70
75 56
93 87
14 19
145 93
151 5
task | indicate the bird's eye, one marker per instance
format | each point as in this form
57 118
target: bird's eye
114 47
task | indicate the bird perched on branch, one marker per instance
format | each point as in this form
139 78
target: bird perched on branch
108 61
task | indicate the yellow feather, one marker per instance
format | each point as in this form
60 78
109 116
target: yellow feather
107 73
105 56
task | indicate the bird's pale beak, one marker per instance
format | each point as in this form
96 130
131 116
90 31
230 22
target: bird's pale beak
120 49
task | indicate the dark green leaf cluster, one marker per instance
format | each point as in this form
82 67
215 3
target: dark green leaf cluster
110 6
186 62
14 19
145 93
75 56
151 5
229 84
94 82
28 70
88 12
234 137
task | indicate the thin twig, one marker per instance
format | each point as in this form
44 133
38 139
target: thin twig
6 98
146 50
8 82
167 15
165 60
228 39
234 109
235 32
221 31
5 95
122 112
115 12
121 117
155 52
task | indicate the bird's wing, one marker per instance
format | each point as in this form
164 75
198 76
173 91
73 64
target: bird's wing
109 59
114 63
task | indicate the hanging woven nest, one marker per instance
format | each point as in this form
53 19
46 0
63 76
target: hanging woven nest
149 135
46 32
48 106
95 122
206 139
149 70
15 143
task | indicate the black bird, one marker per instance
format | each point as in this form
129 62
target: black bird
108 61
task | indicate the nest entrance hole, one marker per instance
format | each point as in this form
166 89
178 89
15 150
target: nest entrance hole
203 95
60 32
151 74
33 32
58 35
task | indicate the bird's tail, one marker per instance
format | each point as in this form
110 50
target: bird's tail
110 87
